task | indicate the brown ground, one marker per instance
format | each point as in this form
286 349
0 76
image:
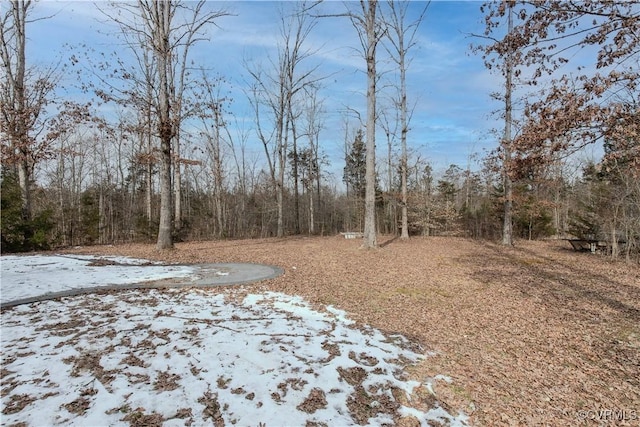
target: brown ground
531 335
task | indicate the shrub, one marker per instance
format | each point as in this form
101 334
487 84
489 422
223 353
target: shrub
16 233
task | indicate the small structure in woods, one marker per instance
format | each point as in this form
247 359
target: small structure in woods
588 245
352 235
594 245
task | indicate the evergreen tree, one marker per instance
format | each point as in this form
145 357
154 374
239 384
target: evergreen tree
355 169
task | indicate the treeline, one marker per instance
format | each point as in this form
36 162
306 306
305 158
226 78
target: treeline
95 192
169 162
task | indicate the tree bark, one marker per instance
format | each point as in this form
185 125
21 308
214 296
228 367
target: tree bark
369 16
296 178
507 226
218 172
177 184
404 234
161 16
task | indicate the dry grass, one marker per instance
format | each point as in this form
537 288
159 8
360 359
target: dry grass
530 335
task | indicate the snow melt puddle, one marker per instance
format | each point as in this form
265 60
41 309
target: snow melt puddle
194 358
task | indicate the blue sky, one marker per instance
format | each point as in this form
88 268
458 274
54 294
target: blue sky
448 85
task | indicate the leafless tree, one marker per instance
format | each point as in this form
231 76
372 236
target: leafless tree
277 90
24 95
507 225
312 159
389 126
370 31
402 37
168 29
214 131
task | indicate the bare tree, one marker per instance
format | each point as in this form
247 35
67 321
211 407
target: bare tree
157 17
507 225
178 83
390 127
277 91
401 35
510 56
24 95
214 130
169 29
314 114
370 31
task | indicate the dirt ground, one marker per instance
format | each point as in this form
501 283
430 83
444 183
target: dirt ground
531 335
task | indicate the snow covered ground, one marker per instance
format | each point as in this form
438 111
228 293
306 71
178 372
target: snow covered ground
36 275
194 357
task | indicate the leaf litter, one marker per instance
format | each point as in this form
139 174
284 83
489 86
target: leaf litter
534 334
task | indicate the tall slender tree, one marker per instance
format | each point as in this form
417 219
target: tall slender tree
507 225
17 115
505 58
314 114
214 130
402 37
25 92
157 18
370 30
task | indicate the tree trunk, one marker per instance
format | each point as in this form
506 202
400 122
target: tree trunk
165 127
25 193
217 164
369 15
392 203
402 38
149 182
280 203
177 185
101 216
62 224
312 220
165 228
16 109
403 165
296 189
146 146
507 227
20 12
403 140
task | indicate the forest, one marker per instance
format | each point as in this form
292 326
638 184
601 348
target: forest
171 163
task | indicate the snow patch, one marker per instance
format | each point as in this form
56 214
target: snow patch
190 356
39 275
